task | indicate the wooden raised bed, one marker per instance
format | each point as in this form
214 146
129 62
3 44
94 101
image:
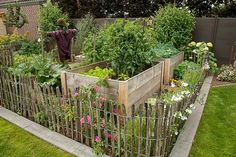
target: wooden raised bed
169 65
132 91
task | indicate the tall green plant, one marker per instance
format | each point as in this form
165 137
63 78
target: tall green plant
48 16
174 25
85 27
124 43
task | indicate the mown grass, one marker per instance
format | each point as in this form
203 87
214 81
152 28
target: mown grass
15 142
216 135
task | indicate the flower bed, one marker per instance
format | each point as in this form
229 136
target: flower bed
132 91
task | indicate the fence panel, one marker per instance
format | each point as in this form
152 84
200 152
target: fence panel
88 118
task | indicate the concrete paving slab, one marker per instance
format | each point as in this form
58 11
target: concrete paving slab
51 137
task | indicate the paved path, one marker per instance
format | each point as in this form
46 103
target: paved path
184 142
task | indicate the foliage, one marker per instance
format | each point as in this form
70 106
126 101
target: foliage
98 146
48 16
45 71
227 73
85 26
14 140
124 44
29 47
184 67
70 7
164 50
225 10
201 53
130 8
14 17
101 73
174 25
41 117
193 77
13 38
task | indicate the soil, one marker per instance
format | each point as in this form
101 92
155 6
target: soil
216 82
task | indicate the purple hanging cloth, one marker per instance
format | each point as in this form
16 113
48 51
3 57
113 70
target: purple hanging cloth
63 39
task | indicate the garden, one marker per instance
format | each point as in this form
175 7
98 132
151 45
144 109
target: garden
124 88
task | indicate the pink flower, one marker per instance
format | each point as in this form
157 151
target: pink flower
102 99
103 123
89 119
97 89
115 110
82 120
76 94
97 139
94 104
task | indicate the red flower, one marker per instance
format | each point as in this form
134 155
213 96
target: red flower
115 110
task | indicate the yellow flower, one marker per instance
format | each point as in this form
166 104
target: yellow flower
209 44
192 43
199 44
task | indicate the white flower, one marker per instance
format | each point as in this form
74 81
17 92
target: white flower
184 84
185 92
184 118
206 49
206 66
194 51
192 43
39 40
176 98
198 44
189 111
172 85
192 106
176 133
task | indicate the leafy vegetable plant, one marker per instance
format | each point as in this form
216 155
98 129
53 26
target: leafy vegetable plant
124 43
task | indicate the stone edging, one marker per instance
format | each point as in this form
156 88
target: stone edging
185 139
51 137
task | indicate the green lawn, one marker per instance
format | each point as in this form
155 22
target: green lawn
216 135
15 142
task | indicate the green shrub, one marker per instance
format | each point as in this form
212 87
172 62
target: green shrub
184 67
29 47
48 16
227 73
124 43
200 52
164 50
174 25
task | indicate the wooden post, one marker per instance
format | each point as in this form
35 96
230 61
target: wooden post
123 94
64 83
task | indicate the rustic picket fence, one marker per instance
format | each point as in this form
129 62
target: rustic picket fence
147 132
6 56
